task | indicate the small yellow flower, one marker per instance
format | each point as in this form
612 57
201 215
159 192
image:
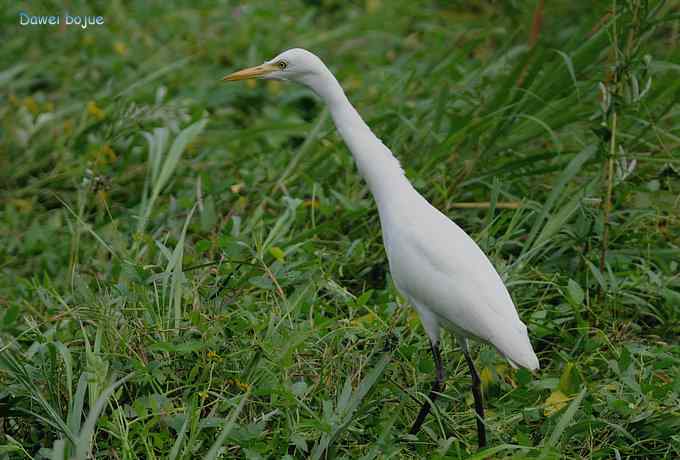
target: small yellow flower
486 376
68 126
203 394
315 203
212 355
120 48
31 105
237 383
104 155
241 203
556 401
367 319
372 6
22 205
94 110
102 197
108 152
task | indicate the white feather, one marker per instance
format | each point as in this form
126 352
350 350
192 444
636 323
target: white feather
434 263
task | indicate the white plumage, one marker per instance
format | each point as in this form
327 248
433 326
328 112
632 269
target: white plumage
434 263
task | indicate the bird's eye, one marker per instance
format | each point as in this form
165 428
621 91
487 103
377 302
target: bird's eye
282 65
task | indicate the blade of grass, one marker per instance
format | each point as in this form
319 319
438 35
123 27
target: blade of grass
186 136
486 453
19 371
348 403
77 402
183 431
177 280
84 442
226 428
562 424
573 168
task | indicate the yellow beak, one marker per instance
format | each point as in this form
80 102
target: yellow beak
251 72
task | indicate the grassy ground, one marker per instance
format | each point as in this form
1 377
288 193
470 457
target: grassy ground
195 270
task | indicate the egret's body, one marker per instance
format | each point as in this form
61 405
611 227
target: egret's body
434 263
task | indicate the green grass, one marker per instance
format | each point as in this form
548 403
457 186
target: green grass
192 269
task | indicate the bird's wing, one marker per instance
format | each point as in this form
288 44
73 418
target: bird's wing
443 271
452 252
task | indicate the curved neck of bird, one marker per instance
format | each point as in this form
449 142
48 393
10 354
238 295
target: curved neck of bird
375 161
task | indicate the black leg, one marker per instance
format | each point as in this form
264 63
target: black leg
479 402
437 388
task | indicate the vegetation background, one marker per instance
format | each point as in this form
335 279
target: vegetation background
192 269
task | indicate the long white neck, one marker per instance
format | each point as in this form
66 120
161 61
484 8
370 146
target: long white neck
375 161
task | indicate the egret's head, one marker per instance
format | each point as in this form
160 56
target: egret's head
296 65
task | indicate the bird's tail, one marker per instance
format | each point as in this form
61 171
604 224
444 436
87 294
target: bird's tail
529 361
516 348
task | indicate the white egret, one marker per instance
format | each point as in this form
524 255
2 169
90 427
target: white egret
434 263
